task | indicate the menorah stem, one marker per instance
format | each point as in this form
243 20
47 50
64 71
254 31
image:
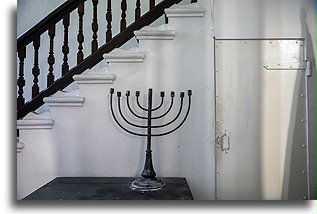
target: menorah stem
148 171
149 118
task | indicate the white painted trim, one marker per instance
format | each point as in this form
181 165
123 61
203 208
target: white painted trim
35 124
184 12
70 101
124 57
20 146
152 34
94 78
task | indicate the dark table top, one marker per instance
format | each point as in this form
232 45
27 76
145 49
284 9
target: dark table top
108 188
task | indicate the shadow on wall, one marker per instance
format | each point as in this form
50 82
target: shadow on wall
297 148
12 102
307 32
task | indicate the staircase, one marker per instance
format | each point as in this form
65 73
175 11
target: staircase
73 133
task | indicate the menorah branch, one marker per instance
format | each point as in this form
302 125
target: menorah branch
114 117
132 112
168 110
137 101
162 101
128 122
175 118
166 133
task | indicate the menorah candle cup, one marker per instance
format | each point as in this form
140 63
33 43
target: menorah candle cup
148 180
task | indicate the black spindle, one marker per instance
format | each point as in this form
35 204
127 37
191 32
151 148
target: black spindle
94 26
109 19
80 36
137 10
123 22
51 58
21 81
36 69
152 4
65 48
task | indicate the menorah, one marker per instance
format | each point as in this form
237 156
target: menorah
149 181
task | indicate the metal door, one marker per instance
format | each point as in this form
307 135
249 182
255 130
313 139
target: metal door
260 119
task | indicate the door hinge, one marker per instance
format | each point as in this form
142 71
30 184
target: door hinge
304 66
308 69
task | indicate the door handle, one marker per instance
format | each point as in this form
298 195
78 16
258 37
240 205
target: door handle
224 142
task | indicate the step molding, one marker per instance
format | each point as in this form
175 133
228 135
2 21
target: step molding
95 78
118 55
183 12
35 124
154 34
69 101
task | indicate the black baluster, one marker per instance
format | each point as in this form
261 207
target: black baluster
21 81
80 36
123 22
65 48
36 69
137 10
152 4
94 26
109 19
51 58
193 1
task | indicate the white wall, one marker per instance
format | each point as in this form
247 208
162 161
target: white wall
29 12
239 19
92 144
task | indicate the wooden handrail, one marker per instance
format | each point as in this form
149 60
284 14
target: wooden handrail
43 25
90 60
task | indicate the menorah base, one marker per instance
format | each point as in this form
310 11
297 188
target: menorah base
147 184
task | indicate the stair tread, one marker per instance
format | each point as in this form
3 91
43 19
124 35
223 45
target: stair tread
55 99
159 32
185 11
95 77
192 6
35 123
150 30
131 55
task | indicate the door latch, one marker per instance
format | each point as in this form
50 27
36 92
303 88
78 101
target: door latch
223 142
